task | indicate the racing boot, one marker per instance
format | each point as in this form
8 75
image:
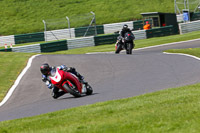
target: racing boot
84 90
81 78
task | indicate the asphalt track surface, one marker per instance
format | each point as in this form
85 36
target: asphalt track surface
111 76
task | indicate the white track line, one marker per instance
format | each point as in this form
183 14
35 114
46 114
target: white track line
18 80
183 55
167 44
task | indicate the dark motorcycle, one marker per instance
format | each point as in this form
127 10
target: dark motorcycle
126 43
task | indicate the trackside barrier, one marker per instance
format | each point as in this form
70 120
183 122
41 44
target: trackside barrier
105 39
138 25
55 35
140 34
26 38
35 48
88 31
194 16
6 50
189 27
111 28
7 40
91 41
80 42
54 46
158 32
60 34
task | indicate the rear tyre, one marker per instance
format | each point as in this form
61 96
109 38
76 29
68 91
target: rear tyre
89 90
73 91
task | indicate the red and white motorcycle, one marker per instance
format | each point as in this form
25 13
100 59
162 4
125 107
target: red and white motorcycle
69 83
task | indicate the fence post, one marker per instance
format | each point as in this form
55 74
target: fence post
69 26
45 30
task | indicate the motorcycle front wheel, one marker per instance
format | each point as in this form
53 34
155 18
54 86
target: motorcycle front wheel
118 49
129 48
72 90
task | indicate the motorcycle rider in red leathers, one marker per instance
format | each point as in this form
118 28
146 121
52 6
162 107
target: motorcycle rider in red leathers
46 72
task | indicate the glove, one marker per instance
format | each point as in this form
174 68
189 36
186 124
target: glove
72 69
44 78
49 85
63 67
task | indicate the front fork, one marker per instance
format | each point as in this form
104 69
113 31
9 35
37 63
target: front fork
116 45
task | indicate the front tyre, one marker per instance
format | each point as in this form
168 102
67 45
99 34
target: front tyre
72 90
129 48
118 48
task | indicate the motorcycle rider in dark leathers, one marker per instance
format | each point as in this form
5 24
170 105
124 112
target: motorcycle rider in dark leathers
121 36
46 72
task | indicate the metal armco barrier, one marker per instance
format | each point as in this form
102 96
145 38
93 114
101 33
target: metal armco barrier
158 32
189 27
140 34
111 28
35 48
80 42
54 46
32 37
88 31
7 40
105 39
59 34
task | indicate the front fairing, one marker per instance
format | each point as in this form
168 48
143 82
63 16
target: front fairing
57 76
129 37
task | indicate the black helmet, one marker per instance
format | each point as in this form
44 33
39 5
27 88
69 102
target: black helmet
125 27
45 69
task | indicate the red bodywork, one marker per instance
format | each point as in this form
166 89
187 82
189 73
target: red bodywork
61 77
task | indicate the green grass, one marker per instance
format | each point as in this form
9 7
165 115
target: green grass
170 111
190 51
11 65
25 16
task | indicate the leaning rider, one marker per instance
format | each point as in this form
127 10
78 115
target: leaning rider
46 72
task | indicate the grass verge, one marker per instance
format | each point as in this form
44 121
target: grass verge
190 51
11 65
